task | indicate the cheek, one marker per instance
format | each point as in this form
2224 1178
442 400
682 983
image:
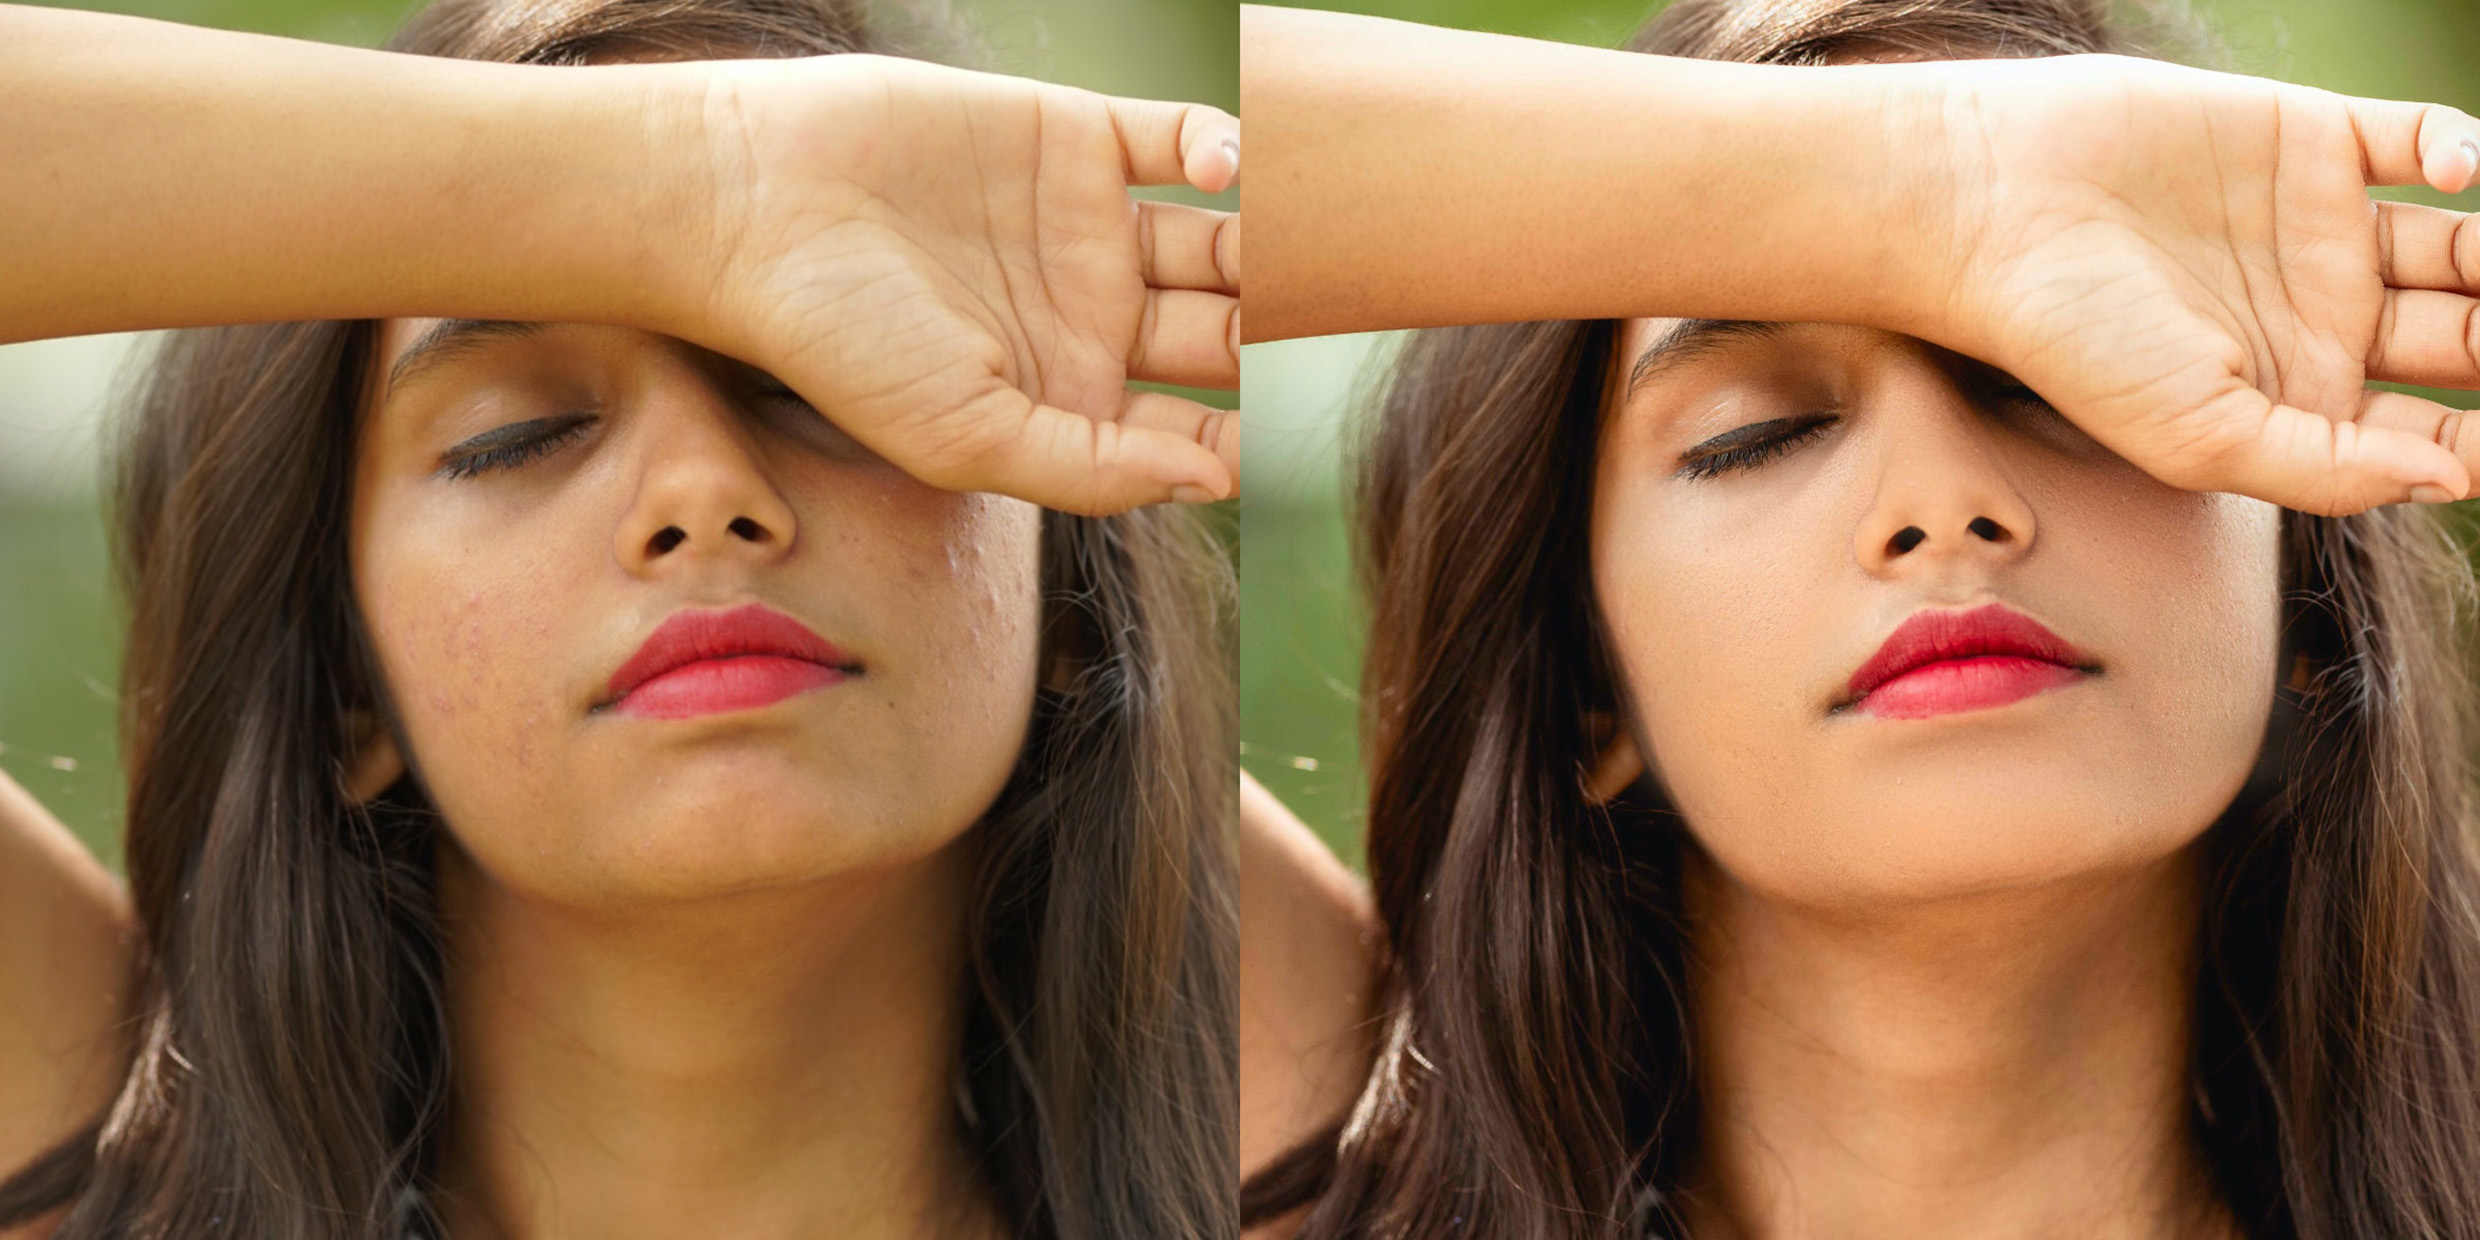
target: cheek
494 643
1733 635
1707 620
476 639
963 607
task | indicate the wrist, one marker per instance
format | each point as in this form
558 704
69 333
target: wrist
679 233
737 152
1892 251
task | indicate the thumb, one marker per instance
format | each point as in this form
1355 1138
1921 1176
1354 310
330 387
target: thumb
2417 144
1075 463
1177 143
2313 463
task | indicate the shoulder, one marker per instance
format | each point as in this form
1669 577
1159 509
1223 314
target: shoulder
1310 964
68 952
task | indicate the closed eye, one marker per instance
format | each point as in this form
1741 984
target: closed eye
510 446
795 416
1750 446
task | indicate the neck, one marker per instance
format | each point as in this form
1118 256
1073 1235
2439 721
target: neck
769 1064
2005 1065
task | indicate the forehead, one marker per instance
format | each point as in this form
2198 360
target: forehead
408 351
403 348
1650 350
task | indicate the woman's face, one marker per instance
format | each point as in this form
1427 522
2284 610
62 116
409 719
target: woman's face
1742 595
533 502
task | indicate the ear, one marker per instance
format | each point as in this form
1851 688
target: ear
1620 762
376 764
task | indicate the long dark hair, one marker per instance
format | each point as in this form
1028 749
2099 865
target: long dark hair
1536 1077
292 1059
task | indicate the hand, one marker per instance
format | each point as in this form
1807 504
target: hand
949 266
2188 266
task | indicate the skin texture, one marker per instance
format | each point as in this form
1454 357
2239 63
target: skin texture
701 969
646 918
1942 962
503 603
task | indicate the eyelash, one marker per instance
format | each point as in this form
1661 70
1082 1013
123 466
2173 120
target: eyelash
1751 455
512 455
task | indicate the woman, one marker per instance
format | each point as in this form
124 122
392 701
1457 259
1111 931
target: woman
1816 788
576 788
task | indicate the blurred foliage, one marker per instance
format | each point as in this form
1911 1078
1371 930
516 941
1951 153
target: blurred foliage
1300 623
59 626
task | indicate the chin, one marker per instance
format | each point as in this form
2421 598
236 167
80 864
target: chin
746 836
1879 844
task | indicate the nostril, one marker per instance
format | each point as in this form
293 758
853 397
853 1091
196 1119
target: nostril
668 537
1988 529
748 530
1908 537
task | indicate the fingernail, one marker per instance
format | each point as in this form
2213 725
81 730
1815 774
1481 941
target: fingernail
1231 155
2471 148
2431 493
1190 493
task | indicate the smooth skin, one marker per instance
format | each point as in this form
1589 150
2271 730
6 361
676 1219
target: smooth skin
1944 964
2196 348
2186 264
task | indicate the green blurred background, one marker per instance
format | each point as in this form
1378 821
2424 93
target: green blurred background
1299 619
59 614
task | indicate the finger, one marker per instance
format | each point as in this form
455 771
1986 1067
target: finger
2417 144
2424 247
2428 339
1074 463
1188 338
1216 430
2316 464
1177 143
2455 430
1189 247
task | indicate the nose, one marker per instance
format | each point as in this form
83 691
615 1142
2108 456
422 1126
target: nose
704 492
1945 503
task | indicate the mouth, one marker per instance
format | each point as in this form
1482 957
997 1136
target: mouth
1945 662
712 662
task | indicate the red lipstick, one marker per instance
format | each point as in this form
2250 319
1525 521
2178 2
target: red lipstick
1941 662
708 662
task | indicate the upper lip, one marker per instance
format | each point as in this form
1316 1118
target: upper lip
752 629
1930 636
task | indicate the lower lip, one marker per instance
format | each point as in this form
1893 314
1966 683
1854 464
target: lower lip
1953 685
717 686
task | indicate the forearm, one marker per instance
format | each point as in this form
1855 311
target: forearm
156 175
1408 176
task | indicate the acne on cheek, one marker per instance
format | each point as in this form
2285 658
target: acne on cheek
985 563
458 646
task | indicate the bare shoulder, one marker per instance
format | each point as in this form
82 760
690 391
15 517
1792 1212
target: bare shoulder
67 964
1310 954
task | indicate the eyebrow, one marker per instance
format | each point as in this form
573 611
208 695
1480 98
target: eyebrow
1691 339
449 339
